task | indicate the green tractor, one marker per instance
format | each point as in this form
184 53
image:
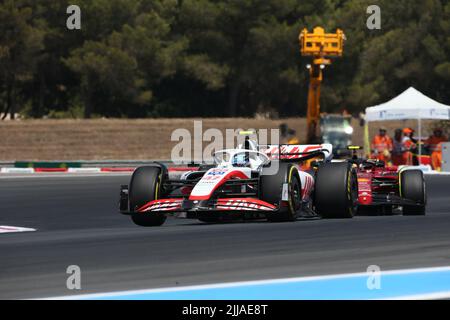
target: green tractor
337 130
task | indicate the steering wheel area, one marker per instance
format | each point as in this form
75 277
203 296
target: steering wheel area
372 163
240 158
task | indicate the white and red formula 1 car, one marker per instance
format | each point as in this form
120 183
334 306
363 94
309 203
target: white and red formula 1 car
250 182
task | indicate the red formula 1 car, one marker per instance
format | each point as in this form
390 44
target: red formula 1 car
381 188
250 182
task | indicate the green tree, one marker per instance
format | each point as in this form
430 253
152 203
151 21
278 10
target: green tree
21 43
138 58
407 51
248 48
126 65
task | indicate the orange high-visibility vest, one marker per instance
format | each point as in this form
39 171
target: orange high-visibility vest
436 157
381 143
408 156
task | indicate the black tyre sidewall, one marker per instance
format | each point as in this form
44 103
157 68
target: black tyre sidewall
271 188
412 187
332 198
145 186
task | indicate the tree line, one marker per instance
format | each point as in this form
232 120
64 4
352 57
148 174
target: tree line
186 58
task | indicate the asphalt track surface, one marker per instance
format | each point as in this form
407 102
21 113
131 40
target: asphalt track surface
78 223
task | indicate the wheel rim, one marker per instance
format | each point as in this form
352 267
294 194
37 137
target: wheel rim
353 191
296 195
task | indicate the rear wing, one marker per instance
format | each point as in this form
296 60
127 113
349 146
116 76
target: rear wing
296 152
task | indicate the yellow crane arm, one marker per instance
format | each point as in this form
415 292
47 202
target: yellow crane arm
319 45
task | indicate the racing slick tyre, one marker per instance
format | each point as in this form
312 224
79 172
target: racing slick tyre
336 190
145 186
412 187
271 188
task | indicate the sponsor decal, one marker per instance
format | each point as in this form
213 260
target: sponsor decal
285 192
216 172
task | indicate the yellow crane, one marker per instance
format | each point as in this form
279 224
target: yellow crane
320 46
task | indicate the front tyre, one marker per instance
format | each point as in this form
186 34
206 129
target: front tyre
145 186
271 187
412 187
336 190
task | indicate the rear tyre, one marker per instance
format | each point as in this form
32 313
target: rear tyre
271 188
336 190
145 186
412 187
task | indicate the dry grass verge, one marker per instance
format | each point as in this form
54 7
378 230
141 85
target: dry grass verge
102 139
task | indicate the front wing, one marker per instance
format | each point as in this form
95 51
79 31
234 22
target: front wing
381 199
225 204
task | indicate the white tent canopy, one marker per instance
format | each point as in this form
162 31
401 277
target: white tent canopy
411 104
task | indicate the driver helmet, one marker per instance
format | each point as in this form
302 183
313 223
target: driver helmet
241 160
368 164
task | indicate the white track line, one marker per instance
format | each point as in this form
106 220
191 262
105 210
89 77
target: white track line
11 229
243 283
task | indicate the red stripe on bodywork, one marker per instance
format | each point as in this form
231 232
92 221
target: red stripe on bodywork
228 204
305 187
176 203
312 148
309 185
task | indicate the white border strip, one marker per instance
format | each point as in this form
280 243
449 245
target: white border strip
243 283
65 175
437 173
81 170
16 170
425 296
84 170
